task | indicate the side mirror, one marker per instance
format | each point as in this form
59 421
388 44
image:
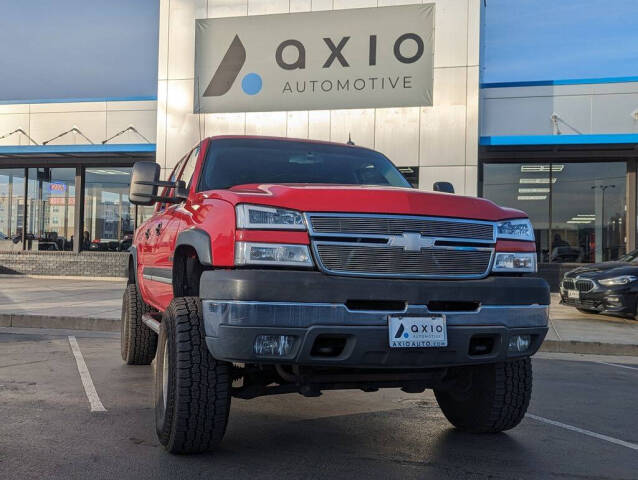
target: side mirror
181 192
144 183
445 187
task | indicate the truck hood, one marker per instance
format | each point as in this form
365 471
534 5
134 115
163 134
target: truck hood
364 199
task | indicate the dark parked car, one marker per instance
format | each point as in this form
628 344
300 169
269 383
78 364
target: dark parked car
609 287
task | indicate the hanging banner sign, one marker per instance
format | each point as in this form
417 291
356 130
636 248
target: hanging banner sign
356 58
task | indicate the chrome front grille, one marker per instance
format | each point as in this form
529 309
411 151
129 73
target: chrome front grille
401 246
398 224
440 262
582 285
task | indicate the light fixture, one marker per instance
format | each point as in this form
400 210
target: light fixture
533 190
536 180
541 168
532 197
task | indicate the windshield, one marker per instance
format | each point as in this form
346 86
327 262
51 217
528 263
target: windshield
631 257
235 161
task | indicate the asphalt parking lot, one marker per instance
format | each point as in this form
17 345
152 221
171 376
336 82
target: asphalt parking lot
49 431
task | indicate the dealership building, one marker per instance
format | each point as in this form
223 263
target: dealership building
406 78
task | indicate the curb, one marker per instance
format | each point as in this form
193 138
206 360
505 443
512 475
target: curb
589 348
63 277
66 323
111 325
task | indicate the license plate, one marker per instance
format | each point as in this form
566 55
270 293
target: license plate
573 294
417 332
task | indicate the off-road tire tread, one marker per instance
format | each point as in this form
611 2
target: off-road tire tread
201 400
139 343
504 391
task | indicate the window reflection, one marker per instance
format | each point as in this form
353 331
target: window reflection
50 209
109 217
578 209
11 208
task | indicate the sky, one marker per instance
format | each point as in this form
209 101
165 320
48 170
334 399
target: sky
527 40
78 48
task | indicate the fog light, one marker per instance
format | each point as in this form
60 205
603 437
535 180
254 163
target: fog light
274 345
519 343
613 299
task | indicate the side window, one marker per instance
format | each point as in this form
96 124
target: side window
168 192
189 168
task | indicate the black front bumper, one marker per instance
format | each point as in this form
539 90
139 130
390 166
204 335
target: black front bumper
313 307
620 300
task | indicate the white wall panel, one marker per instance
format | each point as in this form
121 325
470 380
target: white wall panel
319 124
517 116
9 123
575 111
358 123
143 121
264 7
132 105
473 32
472 117
297 124
300 5
162 51
45 126
227 8
321 5
450 86
471 181
182 130
614 113
181 36
450 36
388 3
225 124
266 123
397 135
60 107
341 4
160 141
454 175
19 108
443 135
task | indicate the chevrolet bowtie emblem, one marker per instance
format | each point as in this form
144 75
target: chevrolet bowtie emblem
411 242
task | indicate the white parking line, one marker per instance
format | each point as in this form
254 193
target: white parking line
599 436
619 366
89 388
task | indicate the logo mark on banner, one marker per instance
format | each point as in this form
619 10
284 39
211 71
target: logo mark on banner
228 70
361 58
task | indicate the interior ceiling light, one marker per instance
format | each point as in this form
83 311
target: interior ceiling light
533 190
531 197
541 168
537 180
580 221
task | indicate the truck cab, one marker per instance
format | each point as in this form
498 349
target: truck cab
275 265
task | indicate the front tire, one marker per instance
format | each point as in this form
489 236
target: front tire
488 398
192 389
138 343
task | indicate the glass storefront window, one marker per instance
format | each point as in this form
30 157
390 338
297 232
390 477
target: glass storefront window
578 209
11 208
50 208
109 217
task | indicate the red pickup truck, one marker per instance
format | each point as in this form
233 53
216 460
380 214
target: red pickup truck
274 265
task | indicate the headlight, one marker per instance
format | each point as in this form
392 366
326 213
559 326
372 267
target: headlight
520 229
514 262
266 218
622 280
249 253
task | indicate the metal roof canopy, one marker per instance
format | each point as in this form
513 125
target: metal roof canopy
122 154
